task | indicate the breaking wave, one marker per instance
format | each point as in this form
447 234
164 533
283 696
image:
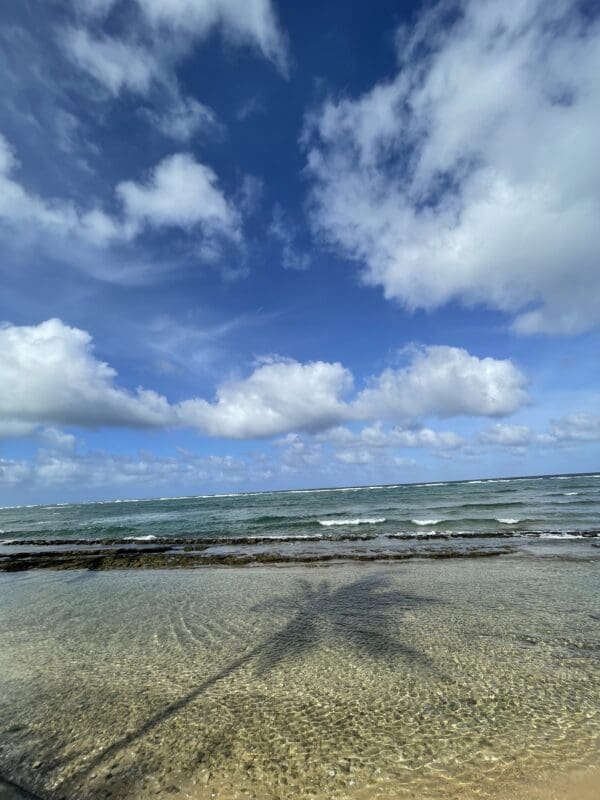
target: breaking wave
354 521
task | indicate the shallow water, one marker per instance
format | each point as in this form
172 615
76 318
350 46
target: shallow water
427 680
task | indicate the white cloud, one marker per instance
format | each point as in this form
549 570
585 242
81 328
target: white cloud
136 473
285 233
13 472
164 33
17 205
114 63
377 446
297 455
576 428
279 396
508 435
444 382
50 376
376 436
57 440
242 22
472 175
179 193
185 117
570 429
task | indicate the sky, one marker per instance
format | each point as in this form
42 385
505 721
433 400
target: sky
261 244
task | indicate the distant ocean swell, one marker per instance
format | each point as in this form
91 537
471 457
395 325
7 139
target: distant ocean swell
525 515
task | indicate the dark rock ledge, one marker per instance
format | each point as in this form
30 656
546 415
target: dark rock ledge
163 556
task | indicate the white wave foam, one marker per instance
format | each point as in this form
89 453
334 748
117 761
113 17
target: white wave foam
426 521
355 521
149 538
569 494
561 536
508 520
316 537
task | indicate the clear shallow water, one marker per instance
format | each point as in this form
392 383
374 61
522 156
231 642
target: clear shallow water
461 678
558 509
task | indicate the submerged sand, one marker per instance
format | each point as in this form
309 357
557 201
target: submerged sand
429 679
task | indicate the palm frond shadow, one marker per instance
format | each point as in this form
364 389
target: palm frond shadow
362 614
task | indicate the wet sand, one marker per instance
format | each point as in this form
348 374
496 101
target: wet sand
457 678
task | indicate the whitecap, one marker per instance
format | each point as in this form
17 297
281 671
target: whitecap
354 521
568 494
508 520
426 521
148 538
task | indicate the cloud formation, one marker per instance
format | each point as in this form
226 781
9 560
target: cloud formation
472 174
180 193
568 430
50 376
161 34
114 63
97 470
445 382
241 22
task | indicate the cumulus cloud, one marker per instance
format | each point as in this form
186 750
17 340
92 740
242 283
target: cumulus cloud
472 174
49 375
377 446
376 436
180 193
570 429
445 382
279 396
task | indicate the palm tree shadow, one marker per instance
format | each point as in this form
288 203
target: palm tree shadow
362 615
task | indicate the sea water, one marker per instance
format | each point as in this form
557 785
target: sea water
424 679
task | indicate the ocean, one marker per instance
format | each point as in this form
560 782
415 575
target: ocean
433 641
476 516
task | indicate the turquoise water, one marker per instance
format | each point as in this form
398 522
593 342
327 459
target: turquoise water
455 679
559 510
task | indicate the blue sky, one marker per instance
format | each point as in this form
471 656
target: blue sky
251 244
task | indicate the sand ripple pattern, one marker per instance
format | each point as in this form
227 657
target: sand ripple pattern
428 680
